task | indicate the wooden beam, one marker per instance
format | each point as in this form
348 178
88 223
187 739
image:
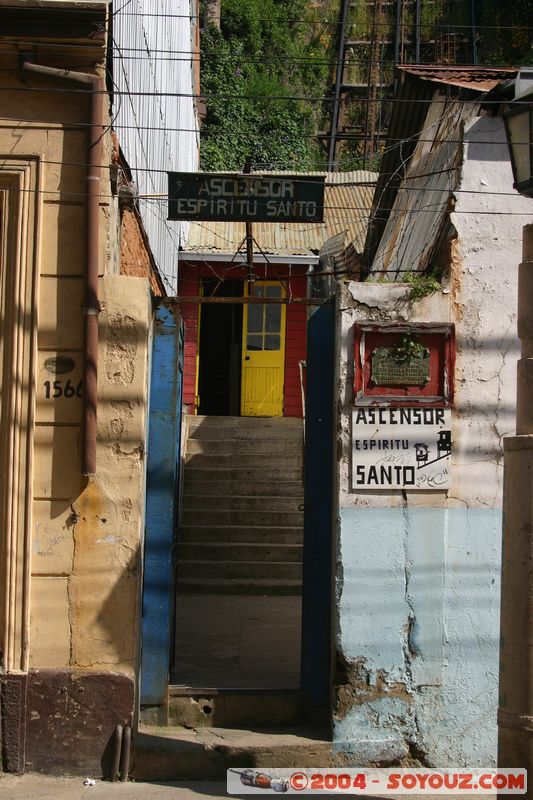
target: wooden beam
303 301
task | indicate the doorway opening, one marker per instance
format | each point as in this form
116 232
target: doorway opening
252 636
219 351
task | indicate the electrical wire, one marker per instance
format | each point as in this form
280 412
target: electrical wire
289 20
429 208
251 97
256 97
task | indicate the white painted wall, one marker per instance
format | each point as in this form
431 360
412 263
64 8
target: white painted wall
418 573
153 52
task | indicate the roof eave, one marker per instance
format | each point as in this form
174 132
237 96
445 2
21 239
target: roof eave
260 258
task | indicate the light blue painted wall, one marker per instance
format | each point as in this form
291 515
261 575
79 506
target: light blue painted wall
418 606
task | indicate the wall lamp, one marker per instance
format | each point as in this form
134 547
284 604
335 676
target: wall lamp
519 128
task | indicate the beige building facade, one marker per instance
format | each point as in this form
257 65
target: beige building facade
70 544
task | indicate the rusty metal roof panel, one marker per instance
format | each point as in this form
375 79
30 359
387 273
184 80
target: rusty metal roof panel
347 203
421 204
481 79
415 93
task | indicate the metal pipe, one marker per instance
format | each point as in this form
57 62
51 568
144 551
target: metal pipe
398 31
125 754
417 32
60 74
117 750
95 85
92 302
250 256
338 82
301 366
474 32
249 240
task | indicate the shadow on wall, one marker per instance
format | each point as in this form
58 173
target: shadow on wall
88 536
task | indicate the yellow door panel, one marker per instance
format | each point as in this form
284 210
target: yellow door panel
263 353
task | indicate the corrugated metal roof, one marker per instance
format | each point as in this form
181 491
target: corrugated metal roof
347 203
419 211
482 79
415 92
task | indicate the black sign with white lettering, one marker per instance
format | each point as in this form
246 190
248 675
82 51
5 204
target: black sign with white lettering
212 196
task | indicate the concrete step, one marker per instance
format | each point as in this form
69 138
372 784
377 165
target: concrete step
241 533
241 570
239 551
247 475
240 461
257 586
264 447
232 708
206 516
243 488
168 753
207 421
245 428
228 502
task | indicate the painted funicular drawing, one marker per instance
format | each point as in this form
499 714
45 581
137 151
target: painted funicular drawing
401 448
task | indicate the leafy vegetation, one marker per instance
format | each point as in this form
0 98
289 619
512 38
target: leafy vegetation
422 285
407 348
265 49
287 48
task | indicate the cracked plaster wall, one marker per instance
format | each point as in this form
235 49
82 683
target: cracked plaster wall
87 532
85 537
418 572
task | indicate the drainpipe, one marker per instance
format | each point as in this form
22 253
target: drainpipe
94 85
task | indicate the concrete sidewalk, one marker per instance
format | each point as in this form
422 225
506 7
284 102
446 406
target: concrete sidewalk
41 787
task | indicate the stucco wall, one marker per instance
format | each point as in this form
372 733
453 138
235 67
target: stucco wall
85 536
418 572
70 554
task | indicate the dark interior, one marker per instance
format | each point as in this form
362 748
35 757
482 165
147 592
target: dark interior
219 376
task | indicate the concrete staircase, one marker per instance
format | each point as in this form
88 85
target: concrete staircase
205 754
234 697
241 526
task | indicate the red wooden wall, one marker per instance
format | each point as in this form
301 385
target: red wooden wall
295 339
295 349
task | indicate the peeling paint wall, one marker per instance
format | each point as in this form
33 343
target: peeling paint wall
417 582
83 537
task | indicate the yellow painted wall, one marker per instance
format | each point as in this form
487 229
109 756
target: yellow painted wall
85 534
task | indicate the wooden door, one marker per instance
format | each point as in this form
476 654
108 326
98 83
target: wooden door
263 352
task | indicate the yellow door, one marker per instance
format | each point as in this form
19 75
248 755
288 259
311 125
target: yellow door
263 353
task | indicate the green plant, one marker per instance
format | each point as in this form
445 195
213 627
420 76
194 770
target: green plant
421 285
247 59
407 348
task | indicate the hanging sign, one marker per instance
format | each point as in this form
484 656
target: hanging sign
212 197
401 448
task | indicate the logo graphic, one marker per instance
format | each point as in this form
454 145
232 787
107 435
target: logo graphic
260 780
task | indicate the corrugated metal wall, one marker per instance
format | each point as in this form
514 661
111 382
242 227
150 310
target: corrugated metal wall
153 53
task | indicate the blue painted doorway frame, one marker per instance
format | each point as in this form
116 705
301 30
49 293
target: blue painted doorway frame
318 561
162 496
